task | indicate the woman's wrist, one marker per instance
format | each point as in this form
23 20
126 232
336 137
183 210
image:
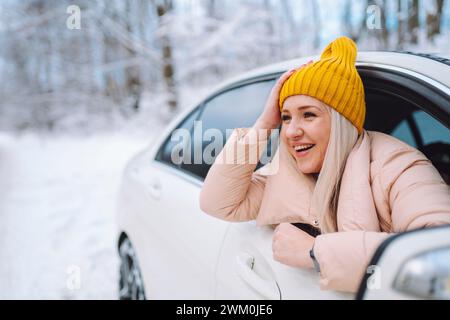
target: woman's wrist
261 123
264 128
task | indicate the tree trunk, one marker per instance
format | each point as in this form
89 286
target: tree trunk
400 25
132 74
109 49
347 21
162 7
434 20
384 27
293 30
211 8
354 33
413 22
270 32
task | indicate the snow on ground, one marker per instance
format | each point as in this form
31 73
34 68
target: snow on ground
57 219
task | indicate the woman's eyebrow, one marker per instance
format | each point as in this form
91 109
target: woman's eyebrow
301 108
306 107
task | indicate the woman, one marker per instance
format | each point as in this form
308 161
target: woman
329 174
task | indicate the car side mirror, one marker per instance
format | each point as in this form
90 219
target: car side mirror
410 265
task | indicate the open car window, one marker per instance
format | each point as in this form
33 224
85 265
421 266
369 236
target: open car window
409 110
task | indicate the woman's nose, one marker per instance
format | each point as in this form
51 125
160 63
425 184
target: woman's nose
293 130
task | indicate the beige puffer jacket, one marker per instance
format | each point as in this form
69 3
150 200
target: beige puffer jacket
387 187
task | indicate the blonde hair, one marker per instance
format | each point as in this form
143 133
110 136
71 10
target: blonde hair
343 136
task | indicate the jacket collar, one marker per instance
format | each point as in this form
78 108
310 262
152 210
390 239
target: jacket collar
288 192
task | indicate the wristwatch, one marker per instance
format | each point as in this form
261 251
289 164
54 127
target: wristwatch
313 258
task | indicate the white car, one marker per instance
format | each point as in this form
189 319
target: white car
170 249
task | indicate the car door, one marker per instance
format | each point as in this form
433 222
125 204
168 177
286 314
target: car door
176 244
247 270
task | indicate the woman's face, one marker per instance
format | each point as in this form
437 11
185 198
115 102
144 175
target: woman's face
305 130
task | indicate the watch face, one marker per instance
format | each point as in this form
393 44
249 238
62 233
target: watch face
315 262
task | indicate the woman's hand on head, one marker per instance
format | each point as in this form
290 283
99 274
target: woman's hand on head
291 246
270 118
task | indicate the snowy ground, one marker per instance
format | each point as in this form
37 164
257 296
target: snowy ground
57 197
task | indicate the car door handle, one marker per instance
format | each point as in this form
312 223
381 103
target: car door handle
154 188
248 271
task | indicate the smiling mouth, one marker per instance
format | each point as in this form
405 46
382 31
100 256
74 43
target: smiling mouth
303 150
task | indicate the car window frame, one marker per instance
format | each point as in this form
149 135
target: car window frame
421 85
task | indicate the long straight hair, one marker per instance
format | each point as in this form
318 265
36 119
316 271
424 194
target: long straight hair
343 136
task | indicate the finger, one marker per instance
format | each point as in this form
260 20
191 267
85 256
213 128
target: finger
282 80
286 74
284 225
305 64
291 71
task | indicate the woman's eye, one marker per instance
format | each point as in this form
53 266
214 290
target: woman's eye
309 114
285 118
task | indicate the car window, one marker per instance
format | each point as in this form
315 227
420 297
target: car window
235 108
392 114
431 130
164 153
403 132
435 142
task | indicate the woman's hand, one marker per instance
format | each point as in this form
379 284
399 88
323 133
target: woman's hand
291 246
270 117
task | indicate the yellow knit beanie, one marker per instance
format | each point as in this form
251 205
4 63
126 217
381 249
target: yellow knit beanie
333 80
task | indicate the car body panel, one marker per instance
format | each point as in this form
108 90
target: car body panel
179 248
263 277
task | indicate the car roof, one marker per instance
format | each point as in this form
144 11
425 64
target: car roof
426 65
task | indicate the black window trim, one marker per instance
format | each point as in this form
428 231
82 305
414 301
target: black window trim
415 131
440 109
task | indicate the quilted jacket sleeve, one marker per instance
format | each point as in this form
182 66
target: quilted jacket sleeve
232 191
